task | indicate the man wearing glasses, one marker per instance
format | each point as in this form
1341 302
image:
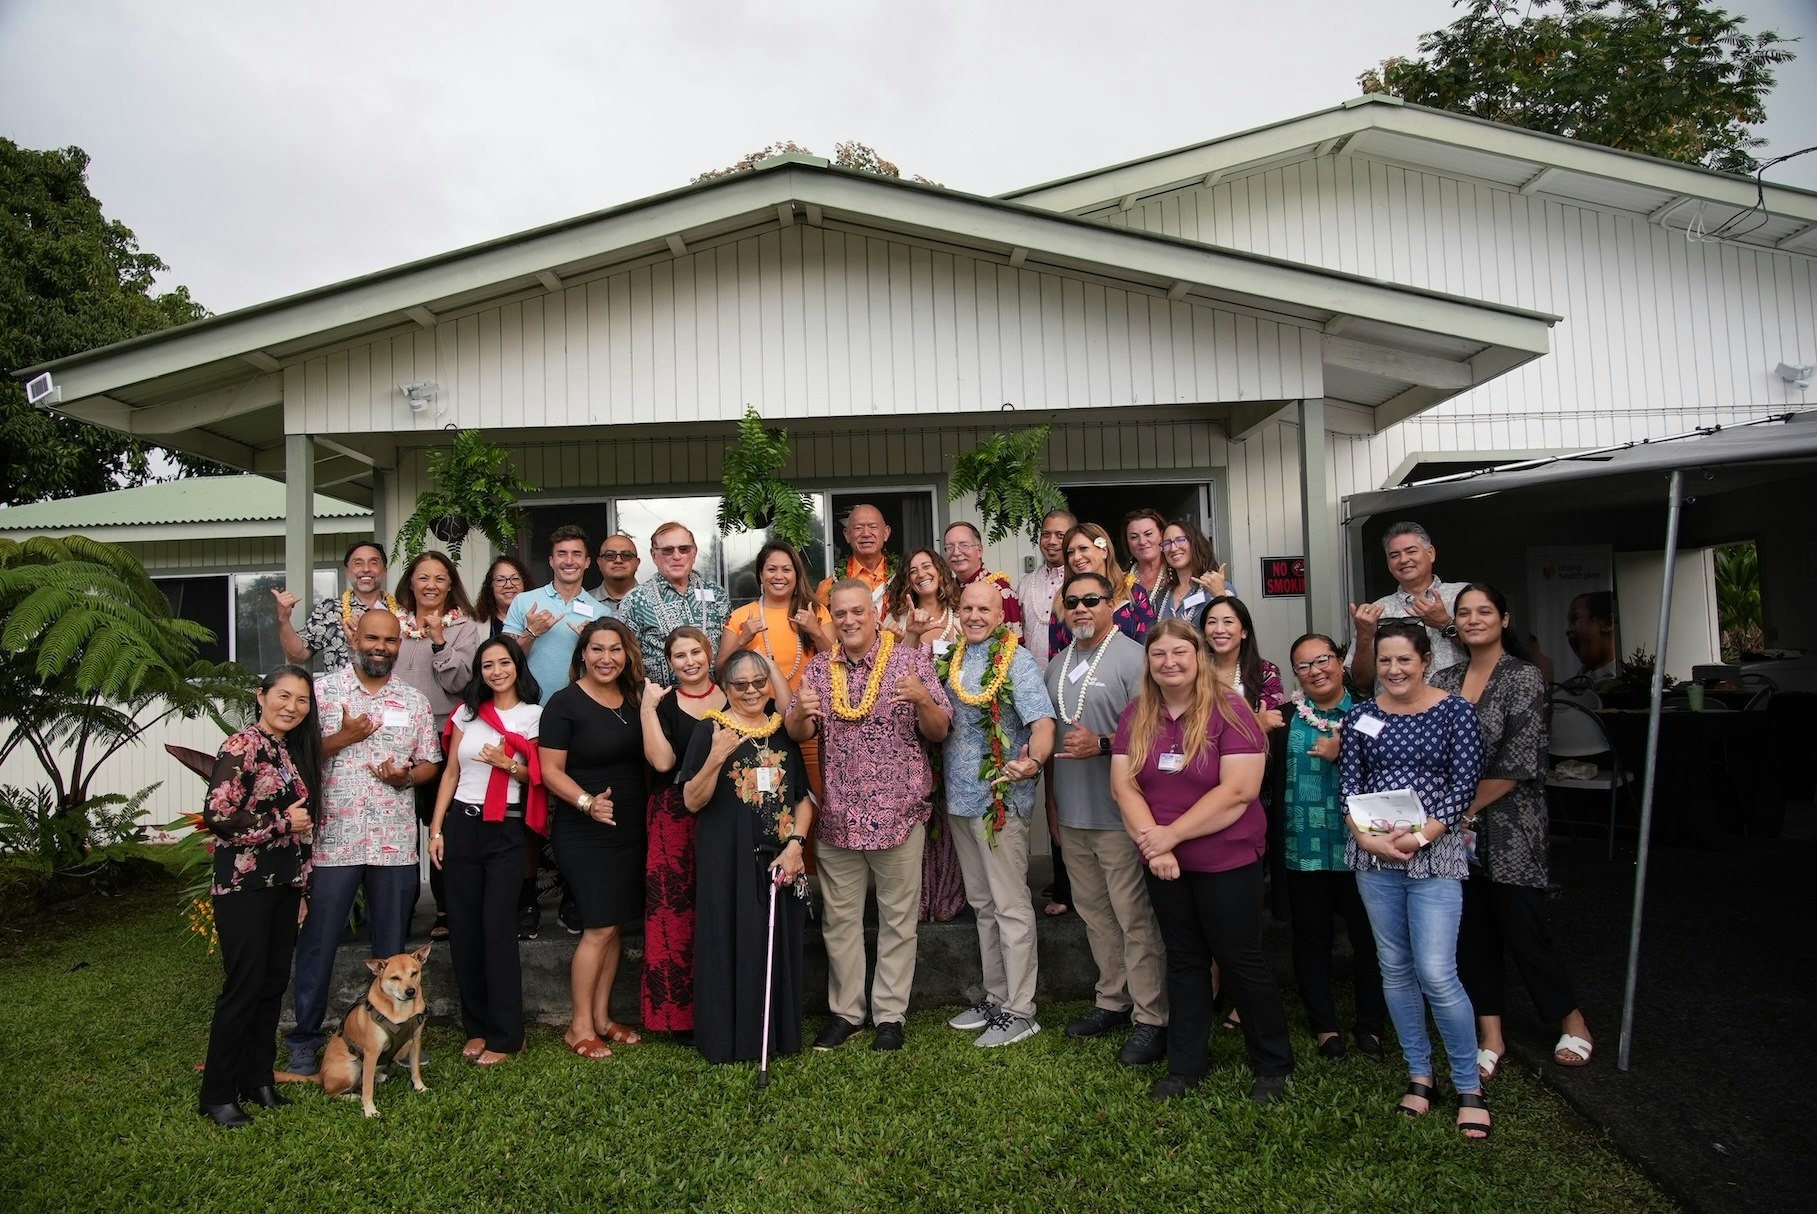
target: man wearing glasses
964 548
1037 590
865 535
547 621
1092 681
618 570
676 596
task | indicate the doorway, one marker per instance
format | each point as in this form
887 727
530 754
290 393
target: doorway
1109 504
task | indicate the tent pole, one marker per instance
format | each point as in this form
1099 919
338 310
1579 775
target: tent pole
1674 502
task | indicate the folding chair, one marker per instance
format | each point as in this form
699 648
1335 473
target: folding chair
1577 733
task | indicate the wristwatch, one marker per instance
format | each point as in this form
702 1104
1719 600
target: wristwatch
1449 631
1420 834
1103 745
801 839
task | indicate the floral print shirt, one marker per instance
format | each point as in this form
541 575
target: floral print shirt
764 777
326 636
1512 832
1012 606
1316 832
362 819
1026 701
878 781
253 784
654 609
1132 618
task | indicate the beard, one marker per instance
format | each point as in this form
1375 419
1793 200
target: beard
1085 632
376 665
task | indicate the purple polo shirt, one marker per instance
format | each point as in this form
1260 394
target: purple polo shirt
1170 794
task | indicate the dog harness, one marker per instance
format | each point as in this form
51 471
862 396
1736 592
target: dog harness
397 1032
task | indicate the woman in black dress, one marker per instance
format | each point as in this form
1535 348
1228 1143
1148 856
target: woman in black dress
592 751
746 780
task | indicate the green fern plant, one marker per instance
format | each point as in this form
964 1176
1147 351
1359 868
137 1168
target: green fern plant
1011 491
753 494
474 486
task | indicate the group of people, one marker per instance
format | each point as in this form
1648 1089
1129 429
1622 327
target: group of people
691 764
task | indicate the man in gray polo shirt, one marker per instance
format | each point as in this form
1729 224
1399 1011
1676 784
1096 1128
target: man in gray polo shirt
1418 594
1092 681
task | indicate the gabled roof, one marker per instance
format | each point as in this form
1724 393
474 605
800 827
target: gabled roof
249 505
1385 128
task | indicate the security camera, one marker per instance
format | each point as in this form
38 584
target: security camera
420 393
1799 377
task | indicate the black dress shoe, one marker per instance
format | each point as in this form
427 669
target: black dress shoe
1332 1049
1097 1022
1147 1044
837 1031
1369 1045
227 1116
266 1097
888 1036
1169 1086
1268 1089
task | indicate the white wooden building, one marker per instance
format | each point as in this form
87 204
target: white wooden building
1249 330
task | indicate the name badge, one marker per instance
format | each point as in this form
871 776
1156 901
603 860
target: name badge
583 609
1370 727
1173 762
1078 672
1193 599
395 718
703 594
766 779
941 648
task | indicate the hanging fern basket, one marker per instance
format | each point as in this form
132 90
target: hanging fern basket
451 528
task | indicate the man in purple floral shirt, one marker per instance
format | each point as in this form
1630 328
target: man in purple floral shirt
874 703
378 743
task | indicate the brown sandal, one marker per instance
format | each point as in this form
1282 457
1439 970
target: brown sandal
590 1047
620 1035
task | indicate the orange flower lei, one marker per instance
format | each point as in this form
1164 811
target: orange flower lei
843 708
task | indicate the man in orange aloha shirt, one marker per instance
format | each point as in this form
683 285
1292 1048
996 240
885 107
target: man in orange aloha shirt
865 534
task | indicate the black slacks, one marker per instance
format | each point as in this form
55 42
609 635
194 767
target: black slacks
482 870
1218 916
1315 900
258 931
1510 919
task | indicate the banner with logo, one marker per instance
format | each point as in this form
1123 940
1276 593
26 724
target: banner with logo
1572 610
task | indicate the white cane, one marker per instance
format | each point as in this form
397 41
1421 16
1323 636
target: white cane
769 961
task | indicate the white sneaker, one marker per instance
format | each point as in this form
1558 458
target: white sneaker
975 1017
1006 1029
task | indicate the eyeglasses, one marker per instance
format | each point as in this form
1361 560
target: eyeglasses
1318 663
1384 826
507 579
673 550
1178 541
748 684
1084 600
615 554
963 546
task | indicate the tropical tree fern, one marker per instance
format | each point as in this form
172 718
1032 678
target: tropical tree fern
474 482
753 494
90 658
1012 493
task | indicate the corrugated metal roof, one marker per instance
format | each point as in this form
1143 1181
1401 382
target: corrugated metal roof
194 499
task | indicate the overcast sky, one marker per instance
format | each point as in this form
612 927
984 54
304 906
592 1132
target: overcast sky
262 148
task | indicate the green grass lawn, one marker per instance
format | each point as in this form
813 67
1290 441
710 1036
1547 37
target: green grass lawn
104 1014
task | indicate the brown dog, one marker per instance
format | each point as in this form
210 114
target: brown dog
387 1020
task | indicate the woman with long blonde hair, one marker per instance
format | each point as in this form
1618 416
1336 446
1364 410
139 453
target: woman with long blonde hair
1088 549
1186 769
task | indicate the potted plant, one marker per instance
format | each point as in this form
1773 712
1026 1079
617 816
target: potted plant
472 486
1011 491
753 495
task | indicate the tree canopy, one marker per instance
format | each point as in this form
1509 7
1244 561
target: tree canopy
847 155
70 280
1679 79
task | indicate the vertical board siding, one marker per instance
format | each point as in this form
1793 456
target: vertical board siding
803 323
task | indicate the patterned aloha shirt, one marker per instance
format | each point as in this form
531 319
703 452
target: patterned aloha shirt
364 820
878 780
1316 830
654 609
1512 833
253 784
326 636
967 794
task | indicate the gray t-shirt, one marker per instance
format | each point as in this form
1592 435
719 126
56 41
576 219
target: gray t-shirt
1082 786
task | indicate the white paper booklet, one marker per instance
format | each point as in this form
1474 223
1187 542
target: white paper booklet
1383 813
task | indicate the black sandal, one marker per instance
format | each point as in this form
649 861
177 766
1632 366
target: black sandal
1474 1131
1424 1091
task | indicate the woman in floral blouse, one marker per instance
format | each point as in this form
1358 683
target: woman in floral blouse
258 808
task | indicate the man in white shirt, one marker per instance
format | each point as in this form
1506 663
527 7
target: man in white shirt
1037 589
1419 595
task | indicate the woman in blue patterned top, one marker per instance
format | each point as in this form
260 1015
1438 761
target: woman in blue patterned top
1414 736
1318 879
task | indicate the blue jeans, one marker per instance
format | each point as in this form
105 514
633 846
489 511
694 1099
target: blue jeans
390 893
1415 922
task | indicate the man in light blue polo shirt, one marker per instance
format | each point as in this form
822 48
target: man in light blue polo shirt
547 621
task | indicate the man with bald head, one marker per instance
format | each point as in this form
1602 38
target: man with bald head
865 535
988 673
379 742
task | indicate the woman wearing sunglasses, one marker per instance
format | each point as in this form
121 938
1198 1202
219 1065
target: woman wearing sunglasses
1414 737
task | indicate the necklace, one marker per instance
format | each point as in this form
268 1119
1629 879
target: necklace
347 605
1084 680
843 708
705 695
754 732
995 677
1308 712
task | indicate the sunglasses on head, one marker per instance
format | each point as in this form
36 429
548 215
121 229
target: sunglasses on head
1083 600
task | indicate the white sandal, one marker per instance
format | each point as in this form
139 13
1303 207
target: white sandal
1575 1046
1488 1064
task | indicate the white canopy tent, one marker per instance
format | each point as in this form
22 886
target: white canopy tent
1716 458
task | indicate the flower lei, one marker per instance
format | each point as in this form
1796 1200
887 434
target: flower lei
992 692
347 605
1304 709
754 732
415 631
843 708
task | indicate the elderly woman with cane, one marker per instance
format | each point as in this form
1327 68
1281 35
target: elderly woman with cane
746 781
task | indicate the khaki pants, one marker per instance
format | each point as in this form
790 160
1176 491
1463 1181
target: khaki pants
1109 894
996 884
844 875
